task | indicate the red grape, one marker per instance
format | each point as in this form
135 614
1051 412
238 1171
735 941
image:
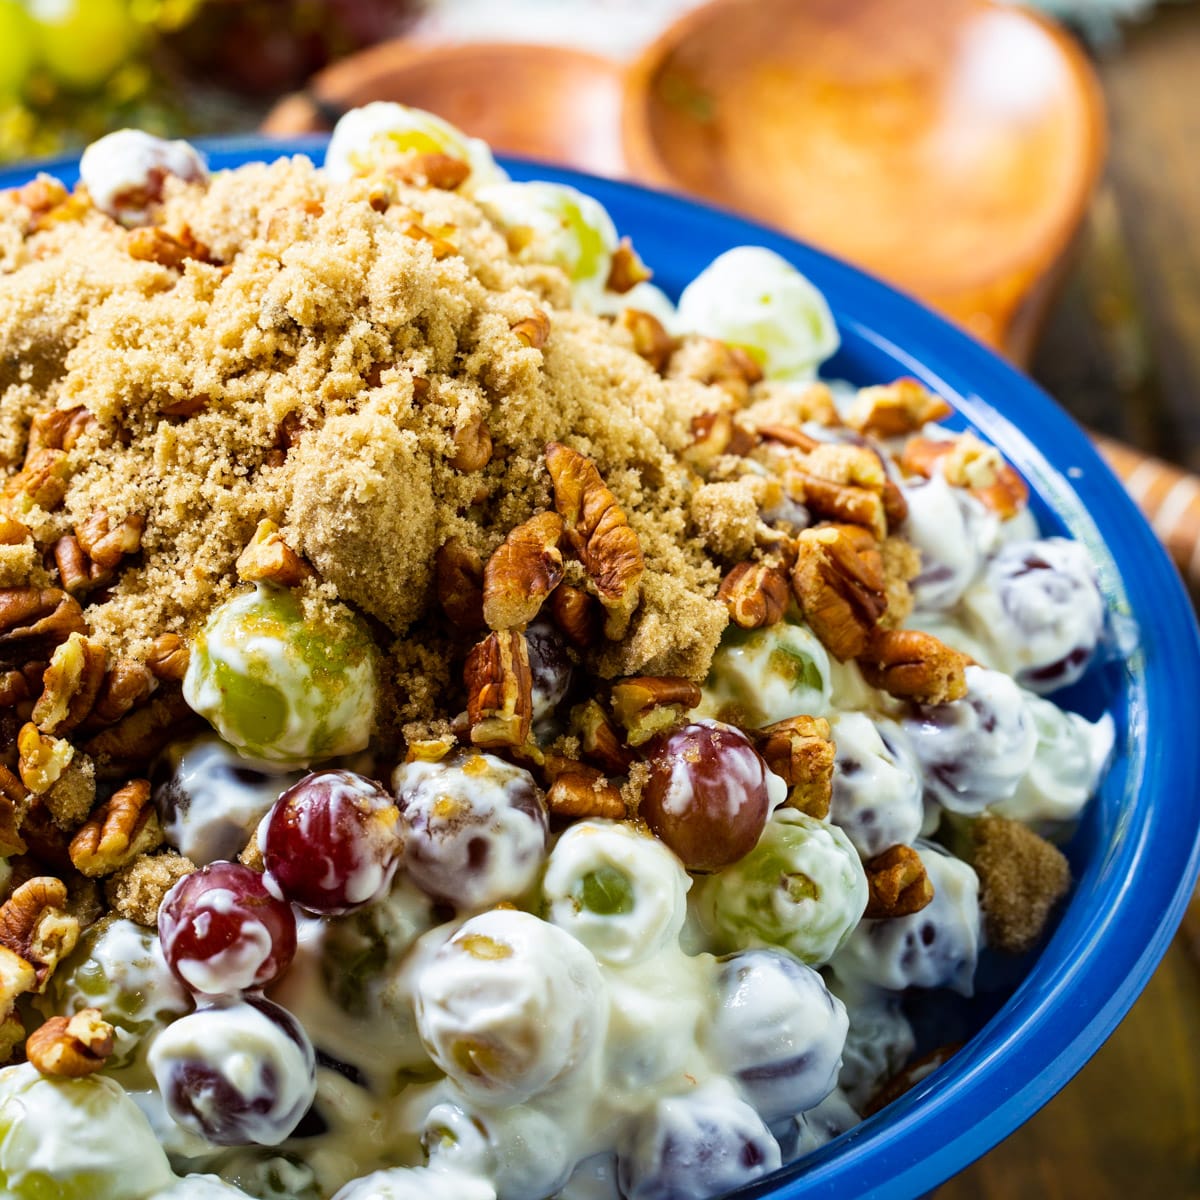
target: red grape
239 1072
222 932
330 843
706 797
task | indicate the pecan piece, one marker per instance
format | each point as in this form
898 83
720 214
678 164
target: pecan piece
12 532
28 613
442 171
43 759
76 571
715 434
647 705
800 751
140 734
580 791
36 929
969 463
714 362
755 594
107 546
599 533
70 685
267 558
797 439
167 660
838 583
627 270
577 615
152 243
458 582
908 1078
898 883
430 749
71 1047
472 446
125 826
895 409
524 569
126 684
651 341
911 665
42 481
58 429
13 803
598 738
534 330
14 688
437 243
499 690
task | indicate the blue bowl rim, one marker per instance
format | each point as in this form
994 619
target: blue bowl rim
1043 1034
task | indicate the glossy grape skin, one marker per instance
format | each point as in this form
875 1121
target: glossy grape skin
777 1031
84 41
475 828
18 47
330 843
707 796
223 932
695 1147
550 667
238 1072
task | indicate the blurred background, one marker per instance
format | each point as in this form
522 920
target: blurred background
1031 172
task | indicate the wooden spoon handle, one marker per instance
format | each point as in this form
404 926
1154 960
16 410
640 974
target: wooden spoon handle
1167 495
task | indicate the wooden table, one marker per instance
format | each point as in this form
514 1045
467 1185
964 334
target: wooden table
1121 350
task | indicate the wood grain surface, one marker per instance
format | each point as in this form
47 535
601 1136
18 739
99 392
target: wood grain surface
1122 351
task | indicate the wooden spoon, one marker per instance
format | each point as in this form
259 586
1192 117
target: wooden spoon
950 146
537 101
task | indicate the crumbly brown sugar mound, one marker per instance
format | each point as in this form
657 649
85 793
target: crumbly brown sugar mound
324 360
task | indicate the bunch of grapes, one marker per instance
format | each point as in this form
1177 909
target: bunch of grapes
72 70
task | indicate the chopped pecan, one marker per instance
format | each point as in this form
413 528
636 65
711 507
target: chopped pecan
458 582
534 330
58 429
838 583
70 685
598 738
898 884
472 446
969 463
71 1047
267 558
125 685
440 246
651 341
36 928
442 171
14 688
755 594
14 798
524 569
785 435
576 613
186 406
430 749
599 533
580 791
916 666
152 243
717 363
800 751
42 481
46 614
43 758
499 690
912 1074
895 409
107 546
646 705
167 660
140 734
77 573
627 270
12 532
125 826
715 434
842 483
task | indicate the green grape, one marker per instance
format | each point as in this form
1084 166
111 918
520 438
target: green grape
802 888
282 684
84 41
765 675
75 1139
752 298
18 47
605 891
116 967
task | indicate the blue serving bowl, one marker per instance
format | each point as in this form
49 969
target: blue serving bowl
1136 853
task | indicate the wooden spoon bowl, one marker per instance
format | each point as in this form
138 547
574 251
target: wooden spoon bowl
950 146
543 102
